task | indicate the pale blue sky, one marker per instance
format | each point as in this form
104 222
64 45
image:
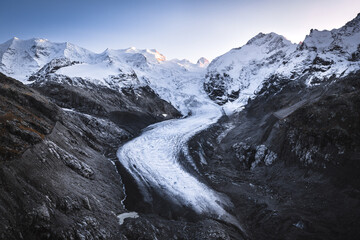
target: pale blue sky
177 28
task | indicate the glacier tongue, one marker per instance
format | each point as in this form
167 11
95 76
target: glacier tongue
153 160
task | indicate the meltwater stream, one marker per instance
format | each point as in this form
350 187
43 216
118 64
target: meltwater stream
153 160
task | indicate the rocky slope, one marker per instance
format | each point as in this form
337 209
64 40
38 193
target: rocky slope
53 160
290 161
58 180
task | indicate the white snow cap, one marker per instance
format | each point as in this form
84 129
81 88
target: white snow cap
321 55
346 38
246 67
203 62
272 39
21 58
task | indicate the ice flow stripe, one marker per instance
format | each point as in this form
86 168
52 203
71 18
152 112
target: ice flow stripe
152 158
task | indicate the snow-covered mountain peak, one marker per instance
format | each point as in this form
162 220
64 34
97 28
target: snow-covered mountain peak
262 38
238 74
131 49
136 57
258 48
152 55
269 42
21 58
203 62
38 40
317 40
244 68
158 56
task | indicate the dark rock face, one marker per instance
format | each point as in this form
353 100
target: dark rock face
58 184
56 177
102 101
153 227
290 160
216 88
26 117
325 134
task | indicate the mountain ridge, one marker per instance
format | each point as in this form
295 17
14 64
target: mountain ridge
233 77
238 75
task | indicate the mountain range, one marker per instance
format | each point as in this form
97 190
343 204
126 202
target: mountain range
260 143
236 75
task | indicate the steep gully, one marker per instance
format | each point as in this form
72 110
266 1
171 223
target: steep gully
159 162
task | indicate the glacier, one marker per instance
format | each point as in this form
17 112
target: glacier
153 158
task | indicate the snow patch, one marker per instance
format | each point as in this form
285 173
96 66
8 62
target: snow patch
123 216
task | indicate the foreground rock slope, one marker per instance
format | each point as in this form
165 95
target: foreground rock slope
57 178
